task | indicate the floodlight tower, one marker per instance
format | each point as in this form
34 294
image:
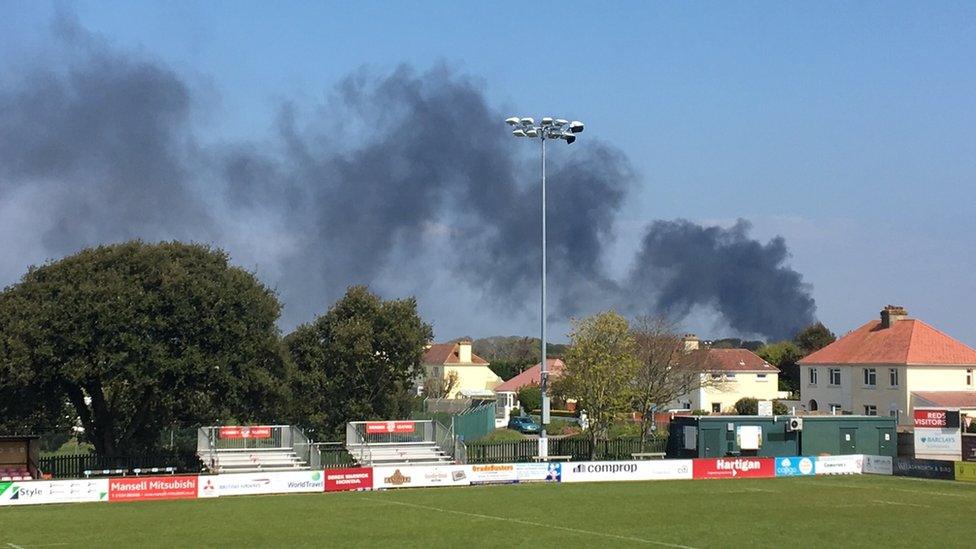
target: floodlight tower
548 128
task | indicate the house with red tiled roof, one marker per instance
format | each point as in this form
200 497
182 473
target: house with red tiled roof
889 366
474 377
728 375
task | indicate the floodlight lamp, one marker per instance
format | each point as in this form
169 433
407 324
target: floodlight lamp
531 132
576 126
547 121
561 122
528 121
569 139
518 133
513 121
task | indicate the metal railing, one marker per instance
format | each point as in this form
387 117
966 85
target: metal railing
579 449
211 440
361 434
75 465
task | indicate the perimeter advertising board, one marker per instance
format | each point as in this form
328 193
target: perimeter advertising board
924 468
878 465
969 447
937 434
539 472
246 484
601 471
795 466
413 476
236 432
839 465
965 470
344 480
152 488
493 473
34 492
709 468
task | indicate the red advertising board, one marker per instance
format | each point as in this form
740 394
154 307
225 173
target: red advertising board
381 427
740 467
936 419
356 478
152 488
245 432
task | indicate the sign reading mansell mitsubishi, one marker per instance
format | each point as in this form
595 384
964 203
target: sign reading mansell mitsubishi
152 488
740 467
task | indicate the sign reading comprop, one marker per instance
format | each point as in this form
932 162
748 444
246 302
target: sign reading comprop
245 484
152 488
740 467
53 491
245 432
389 427
412 476
598 471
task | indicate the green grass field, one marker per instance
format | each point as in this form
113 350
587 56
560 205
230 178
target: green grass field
850 511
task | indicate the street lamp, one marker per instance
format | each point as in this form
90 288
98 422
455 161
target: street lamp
548 128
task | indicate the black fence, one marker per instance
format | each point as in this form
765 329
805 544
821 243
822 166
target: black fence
579 449
75 465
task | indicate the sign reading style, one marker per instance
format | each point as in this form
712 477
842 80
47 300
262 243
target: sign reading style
53 491
708 468
354 478
152 488
389 427
244 432
794 466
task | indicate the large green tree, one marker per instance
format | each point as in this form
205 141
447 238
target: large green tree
139 338
813 338
783 355
358 361
600 367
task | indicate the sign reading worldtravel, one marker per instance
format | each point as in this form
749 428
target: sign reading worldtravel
245 432
389 427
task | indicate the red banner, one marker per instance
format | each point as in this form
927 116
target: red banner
152 488
245 432
381 427
733 468
356 478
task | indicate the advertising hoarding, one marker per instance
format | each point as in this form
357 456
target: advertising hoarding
878 465
413 476
34 492
600 471
245 484
389 427
539 472
235 432
924 468
493 473
965 470
795 466
740 467
969 447
344 480
152 488
839 465
937 434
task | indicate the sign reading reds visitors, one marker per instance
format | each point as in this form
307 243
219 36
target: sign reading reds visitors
245 432
386 427
938 419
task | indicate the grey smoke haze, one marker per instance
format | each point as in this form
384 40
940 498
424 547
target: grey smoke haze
398 172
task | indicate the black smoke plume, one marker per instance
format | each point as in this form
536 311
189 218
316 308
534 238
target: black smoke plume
405 174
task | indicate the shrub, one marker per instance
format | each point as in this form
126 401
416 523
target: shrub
515 412
700 412
530 397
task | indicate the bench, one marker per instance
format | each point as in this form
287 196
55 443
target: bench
552 458
648 455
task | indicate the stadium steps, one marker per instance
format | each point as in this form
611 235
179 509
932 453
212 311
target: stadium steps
406 453
257 460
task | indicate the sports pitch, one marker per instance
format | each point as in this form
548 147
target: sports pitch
848 511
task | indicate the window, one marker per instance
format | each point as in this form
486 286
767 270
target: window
730 376
834 376
716 376
813 376
893 413
893 376
870 377
870 410
969 376
834 408
760 377
814 406
716 407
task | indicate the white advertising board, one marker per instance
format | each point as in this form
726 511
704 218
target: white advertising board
943 444
412 476
493 473
839 465
878 465
600 471
243 484
765 407
539 472
32 492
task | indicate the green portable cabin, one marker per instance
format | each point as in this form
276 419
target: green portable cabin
721 436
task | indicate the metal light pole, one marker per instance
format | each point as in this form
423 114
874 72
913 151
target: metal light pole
549 128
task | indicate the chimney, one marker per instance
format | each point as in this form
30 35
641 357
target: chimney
891 314
464 351
691 342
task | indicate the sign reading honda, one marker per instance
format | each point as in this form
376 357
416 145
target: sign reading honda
420 475
708 468
244 432
937 434
597 471
794 466
840 465
54 491
152 488
244 484
389 427
342 480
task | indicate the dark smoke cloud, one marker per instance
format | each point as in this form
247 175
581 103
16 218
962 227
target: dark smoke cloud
400 173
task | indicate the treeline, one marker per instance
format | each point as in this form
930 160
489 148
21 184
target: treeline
132 339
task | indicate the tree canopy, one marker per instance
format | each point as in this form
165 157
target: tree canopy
138 338
784 355
813 338
358 361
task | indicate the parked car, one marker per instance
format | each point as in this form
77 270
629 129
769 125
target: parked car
524 424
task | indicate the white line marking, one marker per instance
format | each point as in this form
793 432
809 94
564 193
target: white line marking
14 546
886 488
541 525
886 502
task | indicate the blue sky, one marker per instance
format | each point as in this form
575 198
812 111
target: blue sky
846 128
